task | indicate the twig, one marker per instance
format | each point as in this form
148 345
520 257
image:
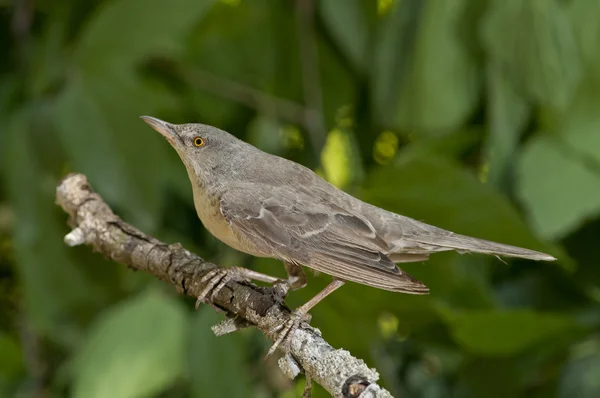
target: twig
96 225
246 95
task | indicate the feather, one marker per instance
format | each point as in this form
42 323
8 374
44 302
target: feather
293 227
449 240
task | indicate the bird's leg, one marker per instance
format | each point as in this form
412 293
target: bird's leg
296 279
217 278
296 276
300 315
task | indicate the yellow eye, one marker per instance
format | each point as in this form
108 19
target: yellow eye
198 142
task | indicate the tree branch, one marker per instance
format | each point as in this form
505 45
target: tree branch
95 224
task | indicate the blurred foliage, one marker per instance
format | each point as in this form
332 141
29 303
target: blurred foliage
476 116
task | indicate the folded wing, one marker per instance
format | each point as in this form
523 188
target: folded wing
295 226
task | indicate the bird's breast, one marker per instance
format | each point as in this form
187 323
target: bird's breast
208 208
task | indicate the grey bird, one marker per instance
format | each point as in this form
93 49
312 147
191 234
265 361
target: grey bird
268 206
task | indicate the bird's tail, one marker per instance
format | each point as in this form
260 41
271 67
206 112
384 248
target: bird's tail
442 240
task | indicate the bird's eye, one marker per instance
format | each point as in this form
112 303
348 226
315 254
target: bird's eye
198 142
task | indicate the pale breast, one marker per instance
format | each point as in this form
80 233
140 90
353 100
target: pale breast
208 210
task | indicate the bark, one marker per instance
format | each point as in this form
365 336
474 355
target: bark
95 224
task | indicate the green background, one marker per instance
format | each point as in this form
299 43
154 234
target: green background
482 117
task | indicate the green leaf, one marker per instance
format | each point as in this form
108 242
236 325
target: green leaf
559 191
580 125
491 377
506 333
338 89
534 42
213 361
390 58
136 349
339 16
508 113
579 378
585 18
110 39
11 360
440 79
335 158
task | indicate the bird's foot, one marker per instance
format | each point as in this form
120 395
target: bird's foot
215 280
283 332
280 289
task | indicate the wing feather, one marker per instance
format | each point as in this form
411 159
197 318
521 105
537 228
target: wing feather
297 227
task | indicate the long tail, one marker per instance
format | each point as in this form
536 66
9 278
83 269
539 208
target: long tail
442 240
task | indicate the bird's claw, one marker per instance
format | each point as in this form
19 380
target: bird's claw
281 289
215 280
283 332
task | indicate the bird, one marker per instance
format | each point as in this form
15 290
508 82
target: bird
268 206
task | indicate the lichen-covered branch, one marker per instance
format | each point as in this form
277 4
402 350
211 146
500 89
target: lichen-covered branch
95 224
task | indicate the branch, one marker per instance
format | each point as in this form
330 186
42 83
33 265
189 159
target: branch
246 95
95 224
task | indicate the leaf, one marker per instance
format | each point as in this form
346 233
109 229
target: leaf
339 15
503 333
217 364
579 377
53 284
111 40
534 42
548 170
585 19
508 113
11 360
491 377
335 158
438 76
580 125
136 349
337 86
395 41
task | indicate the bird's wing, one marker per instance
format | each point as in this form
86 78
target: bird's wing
295 226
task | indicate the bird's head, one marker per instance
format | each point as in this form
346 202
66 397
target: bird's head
202 148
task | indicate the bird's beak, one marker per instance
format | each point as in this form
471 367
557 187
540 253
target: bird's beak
164 128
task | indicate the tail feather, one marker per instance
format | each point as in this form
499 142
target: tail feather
462 243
